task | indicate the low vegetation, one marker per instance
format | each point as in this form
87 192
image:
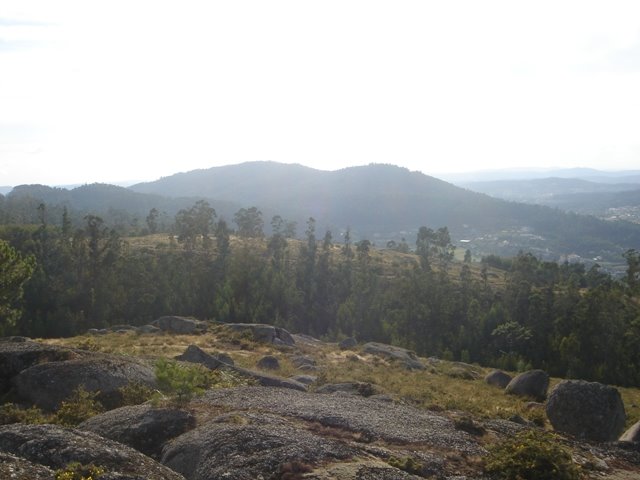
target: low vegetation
531 455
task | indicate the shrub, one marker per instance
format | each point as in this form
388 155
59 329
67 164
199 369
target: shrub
182 381
76 471
80 406
10 413
531 455
406 464
135 393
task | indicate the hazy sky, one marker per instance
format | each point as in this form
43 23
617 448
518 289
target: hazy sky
116 90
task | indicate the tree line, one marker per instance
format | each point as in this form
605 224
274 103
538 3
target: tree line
62 280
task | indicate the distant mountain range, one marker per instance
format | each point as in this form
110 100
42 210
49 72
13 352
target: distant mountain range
377 202
385 202
589 174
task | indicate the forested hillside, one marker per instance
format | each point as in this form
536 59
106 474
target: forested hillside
380 203
384 202
512 313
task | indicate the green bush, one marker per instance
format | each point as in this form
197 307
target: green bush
76 471
184 382
135 393
10 413
80 406
406 464
531 455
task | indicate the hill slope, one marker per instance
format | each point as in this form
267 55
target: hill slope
383 202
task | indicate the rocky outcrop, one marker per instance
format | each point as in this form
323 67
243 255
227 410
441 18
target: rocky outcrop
264 333
498 378
586 410
368 418
180 325
402 355
48 384
257 447
55 447
16 356
533 383
142 427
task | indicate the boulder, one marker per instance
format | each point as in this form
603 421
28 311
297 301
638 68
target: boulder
632 434
533 383
142 427
264 333
195 354
269 380
180 325
259 447
586 410
16 356
303 361
498 378
463 372
406 357
304 379
55 447
348 343
151 329
48 384
269 362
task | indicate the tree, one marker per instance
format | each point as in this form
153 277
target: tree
632 278
250 223
15 271
198 220
152 220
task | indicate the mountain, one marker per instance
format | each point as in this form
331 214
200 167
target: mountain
385 202
542 190
116 205
589 174
5 190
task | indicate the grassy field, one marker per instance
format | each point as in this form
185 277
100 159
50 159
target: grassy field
439 387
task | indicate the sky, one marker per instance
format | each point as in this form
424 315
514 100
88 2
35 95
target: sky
95 91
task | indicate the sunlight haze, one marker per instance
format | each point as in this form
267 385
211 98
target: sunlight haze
115 91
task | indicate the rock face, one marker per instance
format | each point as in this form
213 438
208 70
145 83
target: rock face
48 384
586 410
55 447
370 418
15 467
533 383
406 357
265 333
142 427
180 325
498 378
16 356
257 447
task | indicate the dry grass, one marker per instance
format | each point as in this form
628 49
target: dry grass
432 388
